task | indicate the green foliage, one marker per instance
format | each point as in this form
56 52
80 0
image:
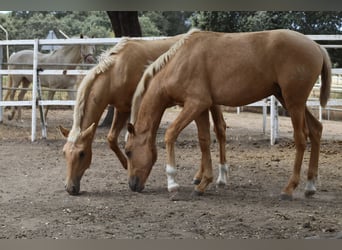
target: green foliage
148 28
36 24
306 22
164 23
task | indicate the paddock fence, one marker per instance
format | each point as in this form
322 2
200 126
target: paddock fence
36 103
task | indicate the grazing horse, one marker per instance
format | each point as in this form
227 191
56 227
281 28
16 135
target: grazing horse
113 81
69 54
234 69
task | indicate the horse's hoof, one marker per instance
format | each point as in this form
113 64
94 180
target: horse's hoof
220 184
309 193
285 197
196 193
196 181
173 188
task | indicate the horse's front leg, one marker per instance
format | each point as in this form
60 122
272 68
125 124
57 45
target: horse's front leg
120 119
188 114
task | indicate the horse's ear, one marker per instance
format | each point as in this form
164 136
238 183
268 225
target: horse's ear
64 131
89 131
130 128
81 35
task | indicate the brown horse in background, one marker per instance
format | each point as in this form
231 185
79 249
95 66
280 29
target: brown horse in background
113 81
209 68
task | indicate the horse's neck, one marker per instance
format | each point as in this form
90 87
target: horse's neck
95 101
149 116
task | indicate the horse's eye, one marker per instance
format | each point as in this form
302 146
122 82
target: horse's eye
82 154
128 154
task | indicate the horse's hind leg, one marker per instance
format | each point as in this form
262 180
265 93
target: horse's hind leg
203 128
300 134
51 94
21 95
11 94
315 134
220 131
120 119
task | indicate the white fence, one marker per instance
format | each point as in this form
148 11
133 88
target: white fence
35 103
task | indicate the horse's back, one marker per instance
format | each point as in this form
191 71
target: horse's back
248 65
21 57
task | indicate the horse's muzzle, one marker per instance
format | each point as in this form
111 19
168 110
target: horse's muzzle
135 185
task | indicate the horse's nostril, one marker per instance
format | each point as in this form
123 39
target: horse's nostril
134 183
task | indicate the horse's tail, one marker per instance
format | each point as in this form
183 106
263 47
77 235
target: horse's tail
325 78
155 67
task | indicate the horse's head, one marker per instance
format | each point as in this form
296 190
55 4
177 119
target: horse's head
87 52
141 156
78 156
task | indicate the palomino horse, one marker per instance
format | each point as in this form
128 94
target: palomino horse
113 81
69 54
206 68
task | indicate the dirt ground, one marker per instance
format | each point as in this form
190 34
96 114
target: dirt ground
34 205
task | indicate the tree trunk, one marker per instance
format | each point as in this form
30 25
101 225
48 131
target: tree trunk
124 23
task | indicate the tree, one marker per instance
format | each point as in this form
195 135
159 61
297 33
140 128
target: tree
36 24
168 23
124 23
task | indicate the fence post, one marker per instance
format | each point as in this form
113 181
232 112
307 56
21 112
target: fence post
274 120
34 90
264 115
1 94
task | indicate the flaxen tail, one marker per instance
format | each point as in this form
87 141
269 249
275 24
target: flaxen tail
325 78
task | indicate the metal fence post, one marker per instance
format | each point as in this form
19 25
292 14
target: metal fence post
1 94
34 90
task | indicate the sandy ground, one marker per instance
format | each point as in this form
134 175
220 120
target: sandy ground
34 205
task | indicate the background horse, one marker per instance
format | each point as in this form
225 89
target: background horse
113 81
69 54
206 68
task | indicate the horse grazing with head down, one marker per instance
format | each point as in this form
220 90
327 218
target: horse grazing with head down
69 54
113 81
233 69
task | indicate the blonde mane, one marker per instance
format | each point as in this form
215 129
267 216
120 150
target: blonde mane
106 60
152 70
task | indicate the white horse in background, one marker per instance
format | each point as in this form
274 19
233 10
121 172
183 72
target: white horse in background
69 55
